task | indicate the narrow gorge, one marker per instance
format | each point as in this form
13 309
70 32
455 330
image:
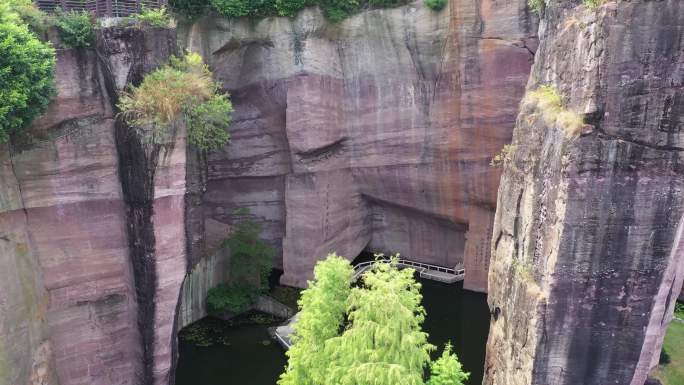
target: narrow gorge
402 130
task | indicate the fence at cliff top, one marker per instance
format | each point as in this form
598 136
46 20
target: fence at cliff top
101 8
424 270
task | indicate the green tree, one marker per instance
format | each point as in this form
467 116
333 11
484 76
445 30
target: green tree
251 258
447 370
384 343
322 306
26 73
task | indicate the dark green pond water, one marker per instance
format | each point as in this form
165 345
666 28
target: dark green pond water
248 356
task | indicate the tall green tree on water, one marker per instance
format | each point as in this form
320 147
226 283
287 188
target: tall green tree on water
446 370
323 307
383 342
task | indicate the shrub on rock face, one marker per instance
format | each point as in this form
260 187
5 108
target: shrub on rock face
26 73
436 5
184 88
76 29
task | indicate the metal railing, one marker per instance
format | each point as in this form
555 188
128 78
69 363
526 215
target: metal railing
282 333
101 8
423 268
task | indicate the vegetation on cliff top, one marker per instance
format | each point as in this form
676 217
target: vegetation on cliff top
76 29
183 89
538 5
26 70
382 341
335 10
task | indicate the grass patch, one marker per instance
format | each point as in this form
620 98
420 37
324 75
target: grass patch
672 373
548 101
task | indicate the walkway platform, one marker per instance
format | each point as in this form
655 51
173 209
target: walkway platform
427 271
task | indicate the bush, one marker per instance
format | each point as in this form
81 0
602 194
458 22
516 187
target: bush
233 298
231 8
536 5
436 5
182 88
26 73
338 10
207 123
76 29
29 15
153 17
679 308
189 8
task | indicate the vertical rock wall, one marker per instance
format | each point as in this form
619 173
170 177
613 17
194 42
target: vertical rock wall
67 300
587 255
92 271
375 132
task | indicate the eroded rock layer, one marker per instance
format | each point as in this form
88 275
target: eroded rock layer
374 133
588 254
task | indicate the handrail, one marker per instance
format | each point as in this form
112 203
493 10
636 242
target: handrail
101 8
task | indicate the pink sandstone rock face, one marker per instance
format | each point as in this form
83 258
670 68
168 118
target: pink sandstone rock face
74 305
64 230
375 133
587 251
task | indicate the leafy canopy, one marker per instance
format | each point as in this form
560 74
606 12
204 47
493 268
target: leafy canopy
384 343
26 72
322 310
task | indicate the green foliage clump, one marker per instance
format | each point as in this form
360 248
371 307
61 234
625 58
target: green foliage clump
189 8
436 5
182 88
251 261
29 14
679 309
447 370
76 28
334 10
152 17
536 5
251 258
233 298
322 306
26 73
207 122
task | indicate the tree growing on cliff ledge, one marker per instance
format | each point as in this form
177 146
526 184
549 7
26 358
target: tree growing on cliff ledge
181 92
26 72
382 342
